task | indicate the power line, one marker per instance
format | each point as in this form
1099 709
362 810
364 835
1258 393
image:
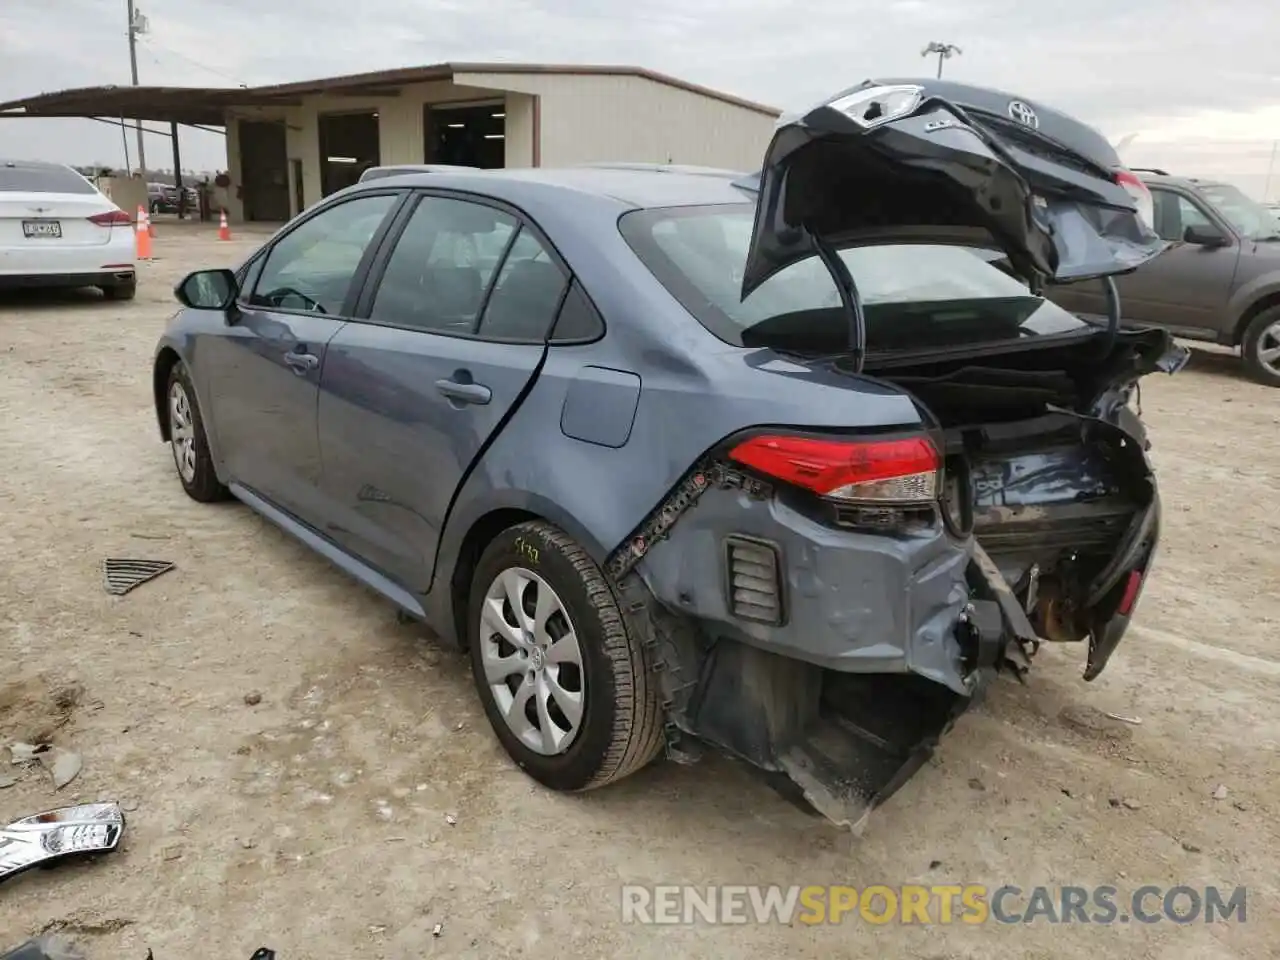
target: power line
153 46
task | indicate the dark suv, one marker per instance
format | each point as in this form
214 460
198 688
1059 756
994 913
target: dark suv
1218 282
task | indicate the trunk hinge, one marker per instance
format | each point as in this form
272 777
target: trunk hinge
1113 315
849 298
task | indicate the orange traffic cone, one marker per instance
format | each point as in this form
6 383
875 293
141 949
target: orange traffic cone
224 231
142 234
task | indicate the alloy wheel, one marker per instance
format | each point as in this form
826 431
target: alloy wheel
182 432
1269 348
532 661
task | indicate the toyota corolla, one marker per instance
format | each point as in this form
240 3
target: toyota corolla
790 464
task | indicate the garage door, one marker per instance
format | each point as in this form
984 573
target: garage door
264 171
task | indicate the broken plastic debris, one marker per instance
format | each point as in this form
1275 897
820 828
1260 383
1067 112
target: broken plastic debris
63 765
437 929
450 819
82 830
1124 719
1220 792
26 752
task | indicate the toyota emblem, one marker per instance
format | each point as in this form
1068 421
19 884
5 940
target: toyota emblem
1023 114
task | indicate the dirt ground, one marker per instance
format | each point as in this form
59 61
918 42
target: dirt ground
364 800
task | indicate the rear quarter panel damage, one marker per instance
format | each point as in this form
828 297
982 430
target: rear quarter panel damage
853 602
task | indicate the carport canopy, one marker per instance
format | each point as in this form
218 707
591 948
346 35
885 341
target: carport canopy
206 106
190 106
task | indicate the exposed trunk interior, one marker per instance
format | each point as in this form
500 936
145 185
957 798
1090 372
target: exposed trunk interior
1044 465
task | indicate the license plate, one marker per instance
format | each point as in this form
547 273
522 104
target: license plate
42 228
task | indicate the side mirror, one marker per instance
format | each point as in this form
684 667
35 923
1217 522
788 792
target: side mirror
207 290
1203 235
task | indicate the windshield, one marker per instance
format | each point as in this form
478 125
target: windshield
1250 219
41 178
914 295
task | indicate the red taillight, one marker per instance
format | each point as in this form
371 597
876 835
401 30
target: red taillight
112 218
904 470
1130 596
1141 194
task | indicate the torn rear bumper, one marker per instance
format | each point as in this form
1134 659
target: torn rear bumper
848 602
846 741
844 682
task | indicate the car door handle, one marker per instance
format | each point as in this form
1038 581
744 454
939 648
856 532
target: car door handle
465 392
301 363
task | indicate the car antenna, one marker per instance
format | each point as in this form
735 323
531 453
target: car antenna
849 297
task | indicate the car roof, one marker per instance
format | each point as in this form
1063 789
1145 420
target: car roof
627 185
1170 180
33 164
394 169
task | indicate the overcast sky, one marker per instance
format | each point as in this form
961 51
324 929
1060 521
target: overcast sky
1198 83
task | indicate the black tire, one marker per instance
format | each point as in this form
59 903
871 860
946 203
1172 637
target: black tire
1252 344
621 727
121 291
203 485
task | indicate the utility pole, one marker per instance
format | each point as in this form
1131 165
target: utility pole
945 51
137 25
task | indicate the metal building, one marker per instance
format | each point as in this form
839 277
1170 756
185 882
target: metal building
290 144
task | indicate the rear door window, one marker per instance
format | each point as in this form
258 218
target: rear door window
440 272
310 269
42 178
526 295
578 321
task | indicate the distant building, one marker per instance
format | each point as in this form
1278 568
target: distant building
290 144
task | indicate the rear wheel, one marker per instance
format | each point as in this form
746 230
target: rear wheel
1261 347
189 442
121 291
568 691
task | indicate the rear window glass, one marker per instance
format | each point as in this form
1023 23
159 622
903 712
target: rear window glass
914 295
42 179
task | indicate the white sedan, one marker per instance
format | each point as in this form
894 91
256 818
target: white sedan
58 230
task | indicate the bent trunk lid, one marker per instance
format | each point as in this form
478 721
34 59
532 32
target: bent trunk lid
940 162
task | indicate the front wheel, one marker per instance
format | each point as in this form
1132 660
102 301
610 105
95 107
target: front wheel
569 693
1261 347
189 442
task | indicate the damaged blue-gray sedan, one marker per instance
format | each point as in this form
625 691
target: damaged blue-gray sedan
790 464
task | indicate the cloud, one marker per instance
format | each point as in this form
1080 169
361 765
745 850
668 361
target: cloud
1196 83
